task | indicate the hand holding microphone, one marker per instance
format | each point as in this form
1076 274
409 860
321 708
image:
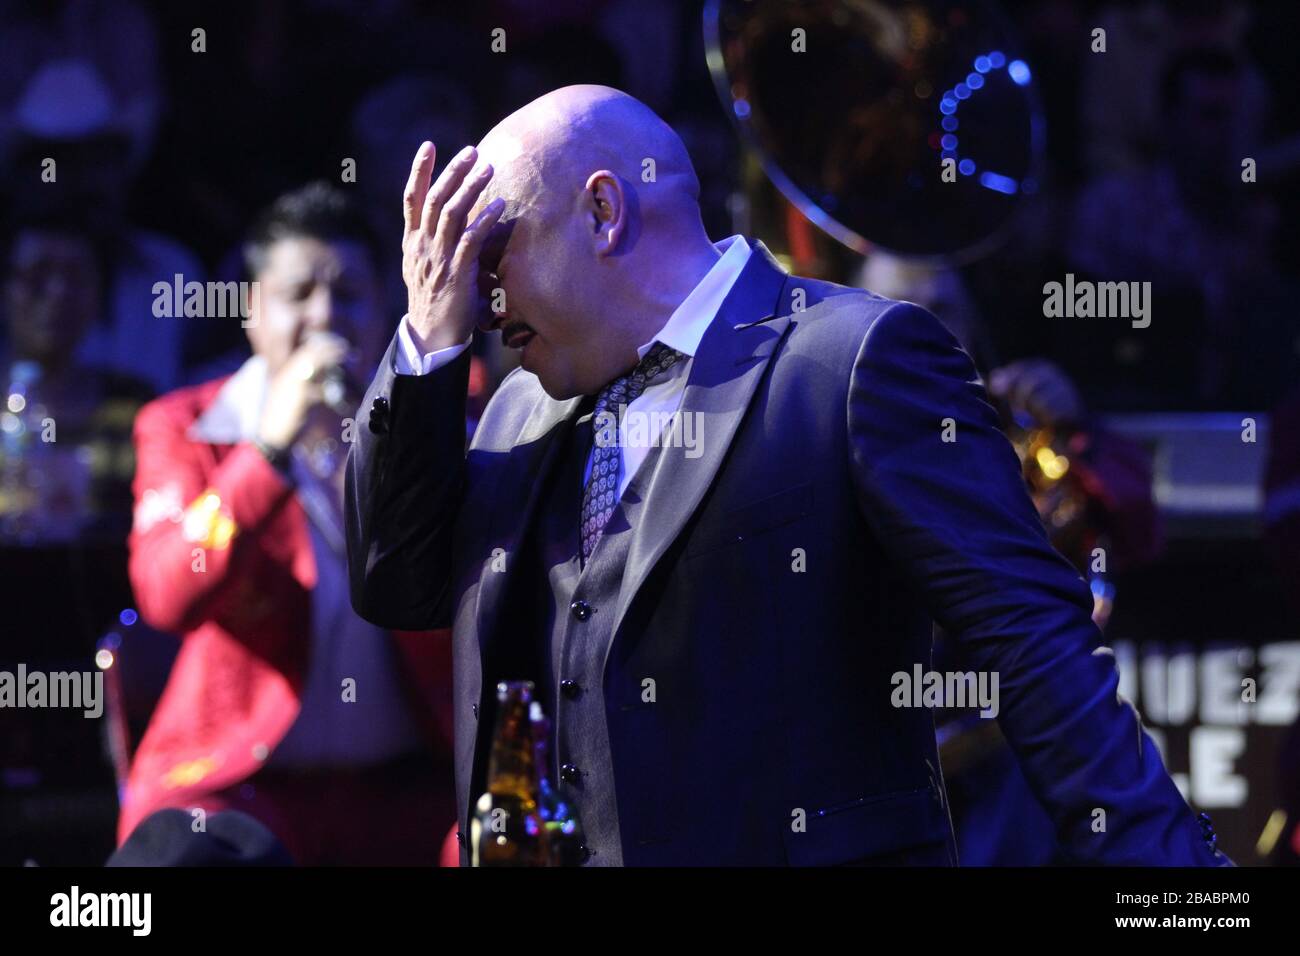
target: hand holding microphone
312 375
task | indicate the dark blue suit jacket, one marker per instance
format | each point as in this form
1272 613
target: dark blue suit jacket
773 587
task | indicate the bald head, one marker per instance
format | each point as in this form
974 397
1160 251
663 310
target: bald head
558 141
601 237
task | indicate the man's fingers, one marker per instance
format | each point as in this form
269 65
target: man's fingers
476 233
454 213
417 184
442 190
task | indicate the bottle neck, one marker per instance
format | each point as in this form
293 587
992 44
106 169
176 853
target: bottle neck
511 767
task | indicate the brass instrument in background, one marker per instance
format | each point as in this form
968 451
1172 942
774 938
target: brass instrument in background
1062 503
856 107
852 110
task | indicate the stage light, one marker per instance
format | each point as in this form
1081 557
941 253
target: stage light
998 183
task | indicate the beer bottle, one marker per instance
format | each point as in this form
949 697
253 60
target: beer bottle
561 835
506 829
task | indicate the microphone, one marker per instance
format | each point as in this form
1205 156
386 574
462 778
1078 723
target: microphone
337 391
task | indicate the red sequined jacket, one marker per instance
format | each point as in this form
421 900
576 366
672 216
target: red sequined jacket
220 553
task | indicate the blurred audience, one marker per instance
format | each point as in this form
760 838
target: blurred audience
386 128
117 39
1203 238
1123 110
65 451
74 152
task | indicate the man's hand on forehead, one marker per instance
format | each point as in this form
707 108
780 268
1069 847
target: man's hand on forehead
442 242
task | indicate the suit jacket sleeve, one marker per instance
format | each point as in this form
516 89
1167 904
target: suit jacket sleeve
182 504
956 516
406 474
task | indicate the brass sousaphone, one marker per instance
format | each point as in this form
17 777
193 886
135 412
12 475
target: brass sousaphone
906 126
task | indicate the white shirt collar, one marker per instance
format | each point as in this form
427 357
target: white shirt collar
686 326
233 414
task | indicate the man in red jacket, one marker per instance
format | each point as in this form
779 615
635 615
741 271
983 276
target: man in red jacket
282 702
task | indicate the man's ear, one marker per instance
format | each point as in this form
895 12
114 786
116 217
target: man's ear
608 210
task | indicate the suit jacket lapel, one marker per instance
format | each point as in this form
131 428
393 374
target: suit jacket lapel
518 482
725 372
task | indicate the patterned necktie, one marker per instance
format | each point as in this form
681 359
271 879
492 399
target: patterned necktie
601 492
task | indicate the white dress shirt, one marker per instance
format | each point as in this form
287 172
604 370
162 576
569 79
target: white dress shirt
661 398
